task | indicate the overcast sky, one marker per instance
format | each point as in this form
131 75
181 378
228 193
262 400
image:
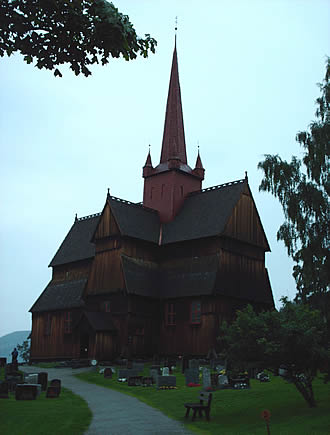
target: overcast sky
248 73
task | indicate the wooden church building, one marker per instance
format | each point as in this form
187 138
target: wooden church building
156 277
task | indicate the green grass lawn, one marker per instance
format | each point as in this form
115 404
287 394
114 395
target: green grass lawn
237 411
68 414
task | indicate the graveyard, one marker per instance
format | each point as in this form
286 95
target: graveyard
239 400
234 409
68 413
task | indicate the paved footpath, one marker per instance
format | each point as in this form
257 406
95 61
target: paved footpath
114 413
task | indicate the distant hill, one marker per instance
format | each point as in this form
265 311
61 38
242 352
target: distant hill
9 341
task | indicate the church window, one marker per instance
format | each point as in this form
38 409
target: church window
170 313
48 324
106 306
195 312
68 322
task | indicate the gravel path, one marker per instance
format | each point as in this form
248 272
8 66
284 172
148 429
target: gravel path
114 413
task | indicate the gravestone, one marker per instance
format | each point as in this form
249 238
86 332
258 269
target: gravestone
3 362
185 363
193 363
156 367
223 381
218 362
126 373
138 366
4 388
13 380
192 376
166 381
134 381
154 374
107 373
52 393
206 378
214 380
43 380
147 381
166 371
56 383
31 378
26 391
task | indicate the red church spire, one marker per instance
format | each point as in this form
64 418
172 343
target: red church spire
174 145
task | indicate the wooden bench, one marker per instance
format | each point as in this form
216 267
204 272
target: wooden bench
204 404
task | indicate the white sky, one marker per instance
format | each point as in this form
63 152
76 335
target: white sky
248 73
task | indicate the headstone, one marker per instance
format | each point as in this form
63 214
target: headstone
107 373
166 381
135 381
223 381
214 380
43 380
3 362
193 363
206 378
4 388
138 366
156 367
31 378
56 383
12 381
192 376
185 363
218 362
126 373
154 374
147 381
52 392
166 371
26 391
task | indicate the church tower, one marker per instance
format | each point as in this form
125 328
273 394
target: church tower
167 185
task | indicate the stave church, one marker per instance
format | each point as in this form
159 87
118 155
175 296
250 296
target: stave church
156 277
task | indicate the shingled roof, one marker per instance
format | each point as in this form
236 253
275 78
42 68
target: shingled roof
204 213
98 321
190 277
77 244
60 295
134 220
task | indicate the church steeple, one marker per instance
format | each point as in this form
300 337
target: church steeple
174 145
167 185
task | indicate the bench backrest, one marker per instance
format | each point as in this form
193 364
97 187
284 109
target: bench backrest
205 397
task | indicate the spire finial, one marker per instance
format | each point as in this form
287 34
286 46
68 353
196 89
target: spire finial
198 146
76 218
175 29
246 176
108 194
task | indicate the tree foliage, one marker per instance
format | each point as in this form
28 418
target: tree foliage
294 337
24 350
302 186
75 32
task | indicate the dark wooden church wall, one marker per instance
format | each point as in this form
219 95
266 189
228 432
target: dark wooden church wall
244 223
107 225
143 325
54 343
72 271
106 273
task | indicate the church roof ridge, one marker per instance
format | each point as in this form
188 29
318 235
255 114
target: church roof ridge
90 216
217 187
136 204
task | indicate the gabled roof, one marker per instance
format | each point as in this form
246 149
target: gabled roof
77 244
60 295
190 277
98 321
204 213
134 220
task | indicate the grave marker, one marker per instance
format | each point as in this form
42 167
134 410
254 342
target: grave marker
166 381
206 378
4 388
107 373
192 376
